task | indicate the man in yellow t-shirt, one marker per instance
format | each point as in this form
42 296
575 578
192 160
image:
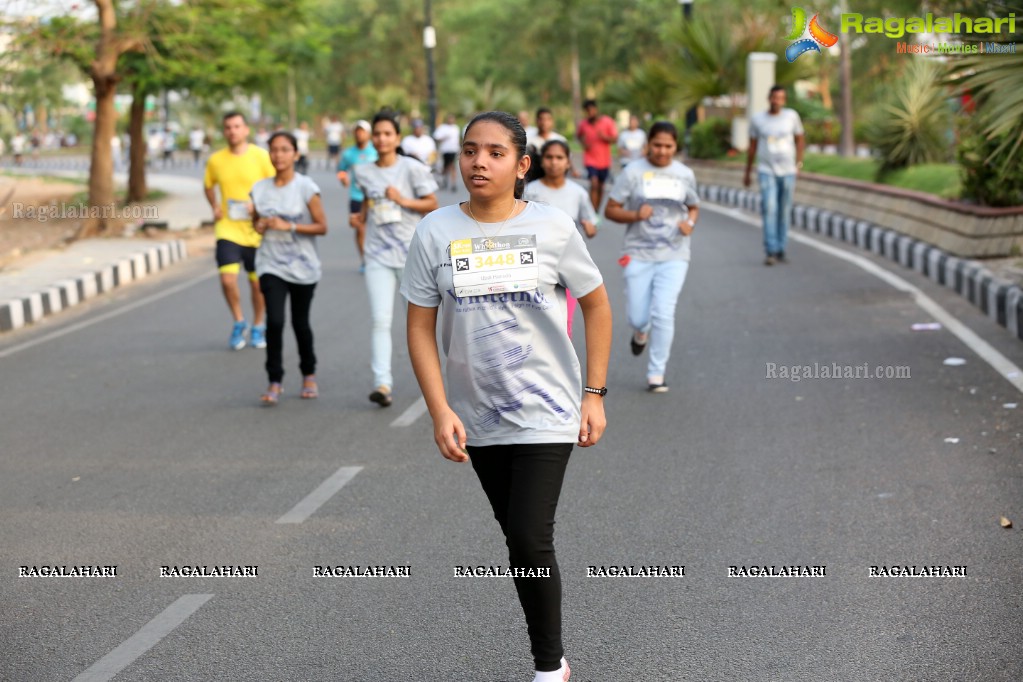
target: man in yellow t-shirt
235 170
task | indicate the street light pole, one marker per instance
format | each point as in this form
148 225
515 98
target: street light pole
687 15
430 42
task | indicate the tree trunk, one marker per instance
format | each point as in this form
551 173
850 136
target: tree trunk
104 80
101 168
137 189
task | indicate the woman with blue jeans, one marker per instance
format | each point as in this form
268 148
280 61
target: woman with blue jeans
656 197
399 190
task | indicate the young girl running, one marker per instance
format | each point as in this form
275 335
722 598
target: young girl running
552 188
399 190
494 270
657 197
289 215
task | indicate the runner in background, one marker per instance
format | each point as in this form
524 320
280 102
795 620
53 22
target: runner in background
597 132
196 140
511 400
556 190
234 171
448 144
288 213
631 142
419 145
399 191
657 198
334 131
541 135
302 134
361 152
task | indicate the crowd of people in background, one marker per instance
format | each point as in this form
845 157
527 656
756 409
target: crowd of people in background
500 275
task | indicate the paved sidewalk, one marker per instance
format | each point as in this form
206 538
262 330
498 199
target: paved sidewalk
48 282
62 279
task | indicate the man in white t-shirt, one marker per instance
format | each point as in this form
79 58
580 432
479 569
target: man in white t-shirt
776 142
631 142
419 145
335 133
196 140
302 137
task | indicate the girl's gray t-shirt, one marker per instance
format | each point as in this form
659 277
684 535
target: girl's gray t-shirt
389 227
570 198
292 257
668 190
512 372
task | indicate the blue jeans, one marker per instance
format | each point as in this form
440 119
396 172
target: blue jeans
381 282
776 207
651 295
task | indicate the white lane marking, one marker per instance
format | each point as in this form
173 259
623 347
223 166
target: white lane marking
145 639
314 500
105 316
1001 364
414 412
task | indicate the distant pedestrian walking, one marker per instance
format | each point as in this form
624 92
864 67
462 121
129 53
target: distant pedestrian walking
399 191
657 198
776 142
234 171
419 145
288 212
334 131
302 134
448 137
631 142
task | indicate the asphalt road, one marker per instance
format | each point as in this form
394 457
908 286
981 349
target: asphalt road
138 442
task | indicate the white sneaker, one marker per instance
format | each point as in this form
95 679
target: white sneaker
560 675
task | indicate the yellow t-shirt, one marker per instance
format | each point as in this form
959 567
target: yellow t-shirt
236 174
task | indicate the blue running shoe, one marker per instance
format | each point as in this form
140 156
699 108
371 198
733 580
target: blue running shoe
237 341
257 337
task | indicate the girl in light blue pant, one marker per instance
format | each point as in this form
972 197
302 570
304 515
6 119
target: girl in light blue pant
656 197
399 190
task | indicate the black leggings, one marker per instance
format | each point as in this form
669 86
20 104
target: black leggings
523 483
275 291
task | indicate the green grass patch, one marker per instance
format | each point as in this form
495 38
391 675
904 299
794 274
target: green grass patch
940 179
852 168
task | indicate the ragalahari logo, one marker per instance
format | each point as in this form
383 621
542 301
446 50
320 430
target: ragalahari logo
818 36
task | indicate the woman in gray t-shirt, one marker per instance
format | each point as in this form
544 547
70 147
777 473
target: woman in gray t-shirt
289 215
493 272
399 191
657 197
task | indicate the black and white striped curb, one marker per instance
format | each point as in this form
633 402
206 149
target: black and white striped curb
26 310
1000 300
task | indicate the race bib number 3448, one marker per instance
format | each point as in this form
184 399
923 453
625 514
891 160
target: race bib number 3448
492 265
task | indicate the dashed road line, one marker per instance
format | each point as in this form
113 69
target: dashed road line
145 639
409 416
314 500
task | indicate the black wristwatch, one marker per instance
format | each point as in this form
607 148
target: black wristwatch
598 391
